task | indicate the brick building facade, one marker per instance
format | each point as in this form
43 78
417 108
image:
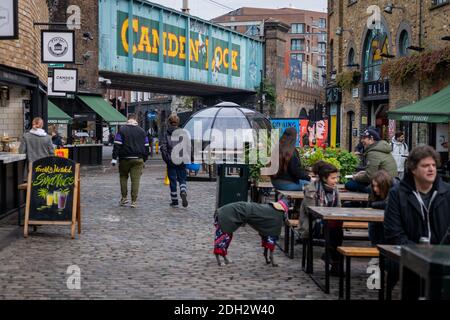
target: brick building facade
413 24
295 53
23 79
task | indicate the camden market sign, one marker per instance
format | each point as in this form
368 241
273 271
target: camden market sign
148 44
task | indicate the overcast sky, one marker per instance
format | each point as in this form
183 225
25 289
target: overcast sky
208 9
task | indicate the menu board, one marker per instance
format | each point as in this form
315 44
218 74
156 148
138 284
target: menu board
53 193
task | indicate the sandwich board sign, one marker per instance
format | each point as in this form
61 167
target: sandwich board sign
53 194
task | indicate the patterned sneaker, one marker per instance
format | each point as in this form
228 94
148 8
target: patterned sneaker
184 199
123 201
133 204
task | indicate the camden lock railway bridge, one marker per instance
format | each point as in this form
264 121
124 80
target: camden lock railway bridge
147 47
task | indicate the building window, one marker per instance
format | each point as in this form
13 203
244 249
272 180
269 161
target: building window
322 23
298 44
351 57
298 28
376 45
322 47
439 2
403 43
298 56
331 56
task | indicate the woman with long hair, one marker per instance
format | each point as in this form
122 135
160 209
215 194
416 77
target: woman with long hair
290 176
381 184
323 193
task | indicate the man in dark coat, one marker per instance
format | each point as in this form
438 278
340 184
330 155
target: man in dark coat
418 209
266 219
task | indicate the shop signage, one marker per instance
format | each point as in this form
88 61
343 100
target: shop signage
334 95
65 80
50 91
9 21
84 117
355 92
53 193
442 137
363 120
57 46
376 89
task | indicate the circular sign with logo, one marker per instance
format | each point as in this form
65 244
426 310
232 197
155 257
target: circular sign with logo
58 46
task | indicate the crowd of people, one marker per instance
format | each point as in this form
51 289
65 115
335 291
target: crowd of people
404 184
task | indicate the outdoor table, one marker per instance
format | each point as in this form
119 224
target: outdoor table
430 263
392 253
11 175
256 189
344 196
335 214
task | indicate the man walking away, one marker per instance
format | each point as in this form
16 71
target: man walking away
400 152
131 148
175 172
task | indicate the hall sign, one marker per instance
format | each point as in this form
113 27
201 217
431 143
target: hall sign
9 22
148 43
376 89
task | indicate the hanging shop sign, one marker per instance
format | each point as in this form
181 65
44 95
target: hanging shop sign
9 21
334 95
57 46
376 89
65 80
50 91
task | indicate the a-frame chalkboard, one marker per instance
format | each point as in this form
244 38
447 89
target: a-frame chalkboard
53 194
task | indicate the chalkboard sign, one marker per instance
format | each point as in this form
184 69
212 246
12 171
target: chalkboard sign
53 193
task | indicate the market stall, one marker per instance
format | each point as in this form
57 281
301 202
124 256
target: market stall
89 114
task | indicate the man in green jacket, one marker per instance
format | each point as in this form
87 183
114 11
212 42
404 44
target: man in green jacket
377 154
266 219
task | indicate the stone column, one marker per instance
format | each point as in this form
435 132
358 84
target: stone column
275 48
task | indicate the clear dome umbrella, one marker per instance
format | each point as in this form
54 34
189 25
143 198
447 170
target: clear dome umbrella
225 128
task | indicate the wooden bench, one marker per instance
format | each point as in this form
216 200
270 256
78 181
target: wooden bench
348 253
355 225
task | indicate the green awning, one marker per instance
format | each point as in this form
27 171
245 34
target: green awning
103 109
56 115
433 109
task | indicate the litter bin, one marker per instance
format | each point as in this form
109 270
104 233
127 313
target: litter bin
232 183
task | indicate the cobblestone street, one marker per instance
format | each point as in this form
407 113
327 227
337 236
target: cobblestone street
151 252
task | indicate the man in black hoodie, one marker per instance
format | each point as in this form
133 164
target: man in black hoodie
418 209
131 147
176 172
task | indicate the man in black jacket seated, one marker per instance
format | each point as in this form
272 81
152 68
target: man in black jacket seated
418 209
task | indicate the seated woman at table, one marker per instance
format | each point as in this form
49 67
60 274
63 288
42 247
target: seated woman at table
381 184
290 176
323 193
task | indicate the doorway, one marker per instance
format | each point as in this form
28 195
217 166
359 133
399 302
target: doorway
350 121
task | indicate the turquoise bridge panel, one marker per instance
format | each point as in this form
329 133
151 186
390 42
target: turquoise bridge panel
162 42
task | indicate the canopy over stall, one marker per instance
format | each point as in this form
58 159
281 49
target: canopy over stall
433 109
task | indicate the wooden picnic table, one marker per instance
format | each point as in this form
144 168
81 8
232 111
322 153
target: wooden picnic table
392 253
335 214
